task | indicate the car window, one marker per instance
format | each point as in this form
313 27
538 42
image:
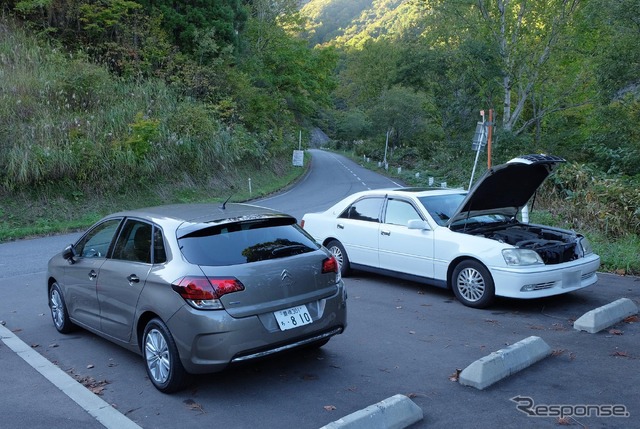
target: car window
246 242
159 252
134 242
367 209
400 212
442 207
95 244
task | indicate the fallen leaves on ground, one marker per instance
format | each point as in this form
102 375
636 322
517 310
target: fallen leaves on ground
193 405
95 386
455 376
615 332
329 407
632 319
619 353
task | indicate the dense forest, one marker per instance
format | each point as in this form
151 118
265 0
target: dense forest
103 97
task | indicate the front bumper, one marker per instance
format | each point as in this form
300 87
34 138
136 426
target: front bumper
548 280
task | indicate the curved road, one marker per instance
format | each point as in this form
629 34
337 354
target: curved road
402 338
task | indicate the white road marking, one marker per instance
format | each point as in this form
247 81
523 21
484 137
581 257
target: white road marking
104 413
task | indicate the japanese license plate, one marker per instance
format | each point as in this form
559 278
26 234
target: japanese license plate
293 317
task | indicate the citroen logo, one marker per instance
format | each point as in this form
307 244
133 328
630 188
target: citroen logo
286 278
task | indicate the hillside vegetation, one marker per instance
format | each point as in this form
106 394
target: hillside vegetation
559 77
122 103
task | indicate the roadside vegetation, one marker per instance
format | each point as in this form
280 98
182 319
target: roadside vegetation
118 104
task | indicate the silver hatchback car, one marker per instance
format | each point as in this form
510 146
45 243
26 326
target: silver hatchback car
194 288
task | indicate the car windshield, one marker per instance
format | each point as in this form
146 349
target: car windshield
245 242
442 207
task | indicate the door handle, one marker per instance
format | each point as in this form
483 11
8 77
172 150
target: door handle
385 233
92 275
340 226
133 279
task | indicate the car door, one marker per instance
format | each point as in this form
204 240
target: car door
357 230
122 278
404 250
80 277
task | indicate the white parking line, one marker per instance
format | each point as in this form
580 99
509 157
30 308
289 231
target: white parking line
104 413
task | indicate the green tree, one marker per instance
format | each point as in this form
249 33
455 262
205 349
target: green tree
183 19
285 73
524 35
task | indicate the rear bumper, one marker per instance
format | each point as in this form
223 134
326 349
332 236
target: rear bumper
208 341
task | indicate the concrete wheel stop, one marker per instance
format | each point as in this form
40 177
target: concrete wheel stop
602 317
502 363
396 412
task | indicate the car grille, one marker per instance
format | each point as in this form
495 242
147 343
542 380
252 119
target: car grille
538 286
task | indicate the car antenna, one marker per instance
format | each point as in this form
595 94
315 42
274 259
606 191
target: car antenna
224 205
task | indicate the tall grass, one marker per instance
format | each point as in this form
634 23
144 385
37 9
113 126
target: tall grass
63 118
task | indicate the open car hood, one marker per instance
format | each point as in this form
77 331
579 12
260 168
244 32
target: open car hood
506 188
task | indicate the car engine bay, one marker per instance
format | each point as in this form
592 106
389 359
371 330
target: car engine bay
554 246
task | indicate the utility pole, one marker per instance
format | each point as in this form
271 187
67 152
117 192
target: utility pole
489 135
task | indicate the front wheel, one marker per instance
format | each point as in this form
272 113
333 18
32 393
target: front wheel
337 250
161 358
59 312
472 284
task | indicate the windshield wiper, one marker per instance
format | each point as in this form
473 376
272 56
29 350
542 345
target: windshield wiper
292 249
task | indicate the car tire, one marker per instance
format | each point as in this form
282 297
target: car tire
337 250
59 312
161 358
472 284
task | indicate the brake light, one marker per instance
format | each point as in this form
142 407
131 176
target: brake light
330 265
204 293
302 223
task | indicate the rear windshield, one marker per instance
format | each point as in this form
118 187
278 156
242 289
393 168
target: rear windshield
241 243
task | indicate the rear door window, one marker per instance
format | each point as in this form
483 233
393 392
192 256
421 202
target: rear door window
245 242
366 209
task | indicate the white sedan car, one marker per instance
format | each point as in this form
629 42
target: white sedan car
471 242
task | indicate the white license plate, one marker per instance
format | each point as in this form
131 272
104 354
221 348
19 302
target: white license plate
293 317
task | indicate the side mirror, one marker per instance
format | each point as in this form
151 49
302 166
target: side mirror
69 253
417 224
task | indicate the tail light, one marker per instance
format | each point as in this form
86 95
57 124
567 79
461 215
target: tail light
204 293
302 224
330 265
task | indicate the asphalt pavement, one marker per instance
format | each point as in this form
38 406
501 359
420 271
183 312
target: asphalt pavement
416 349
36 393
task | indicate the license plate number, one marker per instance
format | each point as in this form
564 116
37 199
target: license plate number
293 317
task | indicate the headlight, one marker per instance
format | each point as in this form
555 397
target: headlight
521 257
586 246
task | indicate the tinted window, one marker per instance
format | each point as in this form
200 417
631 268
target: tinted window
159 252
95 244
137 241
246 242
442 207
367 209
400 212
134 243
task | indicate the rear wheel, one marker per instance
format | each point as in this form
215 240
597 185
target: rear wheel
161 358
337 250
472 284
59 312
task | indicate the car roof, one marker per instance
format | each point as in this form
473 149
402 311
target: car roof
194 216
